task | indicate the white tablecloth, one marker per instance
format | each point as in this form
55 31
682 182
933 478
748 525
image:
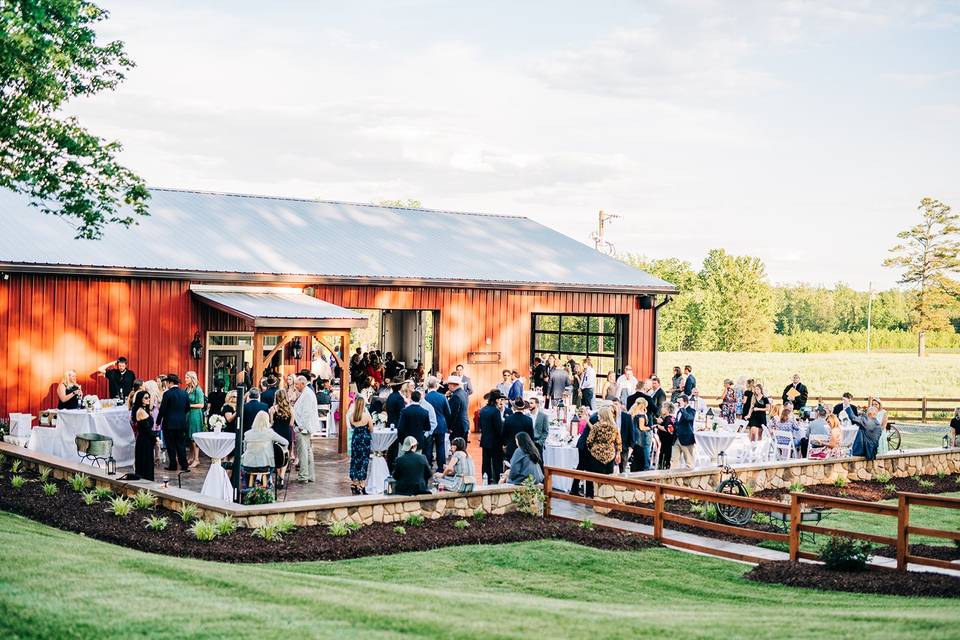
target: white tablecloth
217 446
710 443
565 458
61 440
378 472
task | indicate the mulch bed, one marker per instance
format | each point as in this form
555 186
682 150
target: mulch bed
871 490
879 580
66 510
935 551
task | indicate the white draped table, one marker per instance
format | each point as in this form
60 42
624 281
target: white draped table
217 446
61 440
563 457
378 472
710 443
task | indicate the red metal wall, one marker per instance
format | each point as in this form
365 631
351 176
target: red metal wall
469 316
50 323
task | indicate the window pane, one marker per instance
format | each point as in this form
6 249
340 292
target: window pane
573 343
550 323
609 344
609 325
547 342
594 324
576 324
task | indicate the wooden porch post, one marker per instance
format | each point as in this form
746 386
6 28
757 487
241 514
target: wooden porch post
344 390
258 361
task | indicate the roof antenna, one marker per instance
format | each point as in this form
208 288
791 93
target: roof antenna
599 243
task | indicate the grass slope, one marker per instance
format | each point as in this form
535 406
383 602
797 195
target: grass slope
59 585
882 374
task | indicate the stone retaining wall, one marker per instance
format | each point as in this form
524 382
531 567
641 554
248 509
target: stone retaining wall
494 500
780 475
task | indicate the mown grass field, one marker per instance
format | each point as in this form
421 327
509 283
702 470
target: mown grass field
59 585
827 374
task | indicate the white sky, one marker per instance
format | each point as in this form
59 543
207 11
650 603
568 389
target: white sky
802 132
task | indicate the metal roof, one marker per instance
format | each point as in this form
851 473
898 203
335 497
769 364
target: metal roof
279 307
270 238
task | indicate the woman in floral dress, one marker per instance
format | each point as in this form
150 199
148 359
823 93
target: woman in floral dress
728 402
362 425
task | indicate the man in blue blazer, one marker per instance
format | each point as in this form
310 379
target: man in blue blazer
414 421
437 442
491 436
172 418
690 382
459 423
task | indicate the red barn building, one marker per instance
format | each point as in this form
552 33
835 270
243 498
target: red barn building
440 287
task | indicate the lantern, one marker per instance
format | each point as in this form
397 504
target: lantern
111 466
946 441
296 348
722 459
196 347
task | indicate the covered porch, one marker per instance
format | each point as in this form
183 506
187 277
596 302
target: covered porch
285 315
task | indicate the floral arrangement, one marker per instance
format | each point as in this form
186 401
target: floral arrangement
217 422
90 402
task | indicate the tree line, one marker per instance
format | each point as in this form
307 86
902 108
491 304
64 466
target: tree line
728 304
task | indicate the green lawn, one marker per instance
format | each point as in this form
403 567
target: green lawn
60 585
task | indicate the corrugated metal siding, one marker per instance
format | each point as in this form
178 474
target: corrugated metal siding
469 316
52 323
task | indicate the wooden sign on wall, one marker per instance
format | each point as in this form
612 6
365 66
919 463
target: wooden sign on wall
483 357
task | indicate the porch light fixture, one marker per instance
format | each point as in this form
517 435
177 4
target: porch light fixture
296 348
196 347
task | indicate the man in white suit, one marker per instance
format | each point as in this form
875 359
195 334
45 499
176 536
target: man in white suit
307 422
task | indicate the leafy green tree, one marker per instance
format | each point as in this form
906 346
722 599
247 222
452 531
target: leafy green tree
737 302
48 55
678 323
929 257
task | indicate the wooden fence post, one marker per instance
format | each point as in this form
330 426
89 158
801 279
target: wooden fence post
547 487
794 526
658 513
923 409
903 524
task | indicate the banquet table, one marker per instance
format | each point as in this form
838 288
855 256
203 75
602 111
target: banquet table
378 472
61 440
564 457
217 445
711 443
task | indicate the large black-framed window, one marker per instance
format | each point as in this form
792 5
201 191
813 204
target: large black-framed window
601 337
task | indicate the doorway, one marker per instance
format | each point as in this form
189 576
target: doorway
409 334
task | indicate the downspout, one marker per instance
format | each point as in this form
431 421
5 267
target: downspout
656 347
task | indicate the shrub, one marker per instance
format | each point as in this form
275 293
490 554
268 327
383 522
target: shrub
144 500
941 474
338 529
203 531
840 482
586 524
225 525
103 493
845 554
354 526
44 473
528 497
17 481
915 477
461 524
79 482
479 514
797 487
705 511
413 520
926 484
188 512
3 460
890 487
268 533
16 466
157 523
258 495
286 525
49 489
89 497
400 531
120 507
882 477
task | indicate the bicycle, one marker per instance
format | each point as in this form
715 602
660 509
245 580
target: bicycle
737 516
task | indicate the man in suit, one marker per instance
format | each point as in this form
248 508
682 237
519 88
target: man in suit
686 439
516 386
459 423
840 410
689 382
441 407
270 385
414 421
393 405
795 392
172 418
515 423
306 420
465 381
559 379
541 424
412 472
491 436
251 408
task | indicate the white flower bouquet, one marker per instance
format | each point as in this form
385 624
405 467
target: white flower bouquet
91 402
217 422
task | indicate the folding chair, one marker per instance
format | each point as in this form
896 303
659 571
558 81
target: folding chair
786 447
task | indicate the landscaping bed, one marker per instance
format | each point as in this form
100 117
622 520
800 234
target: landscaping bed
935 551
873 490
66 510
878 580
